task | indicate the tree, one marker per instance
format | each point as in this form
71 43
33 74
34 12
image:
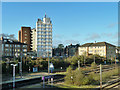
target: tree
60 49
60 46
8 36
69 76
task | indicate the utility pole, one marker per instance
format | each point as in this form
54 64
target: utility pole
48 67
100 77
48 63
78 65
115 59
94 58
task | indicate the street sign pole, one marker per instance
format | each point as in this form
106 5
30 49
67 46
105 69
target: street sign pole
43 78
52 81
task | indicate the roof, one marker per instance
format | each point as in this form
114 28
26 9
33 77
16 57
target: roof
8 41
97 44
86 45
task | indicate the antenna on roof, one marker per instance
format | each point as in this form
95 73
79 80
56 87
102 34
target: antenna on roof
45 14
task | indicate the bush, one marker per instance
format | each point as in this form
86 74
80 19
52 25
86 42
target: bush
78 77
93 65
69 74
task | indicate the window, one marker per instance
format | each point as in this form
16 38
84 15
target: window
24 50
24 45
18 50
25 34
7 45
25 41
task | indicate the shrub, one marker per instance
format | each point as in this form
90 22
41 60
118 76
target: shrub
93 65
69 74
78 77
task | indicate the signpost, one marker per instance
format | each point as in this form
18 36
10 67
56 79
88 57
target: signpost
43 78
51 67
35 69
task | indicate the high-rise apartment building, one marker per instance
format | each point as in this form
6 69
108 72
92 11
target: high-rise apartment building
34 41
24 36
44 37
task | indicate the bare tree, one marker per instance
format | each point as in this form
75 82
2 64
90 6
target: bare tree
8 36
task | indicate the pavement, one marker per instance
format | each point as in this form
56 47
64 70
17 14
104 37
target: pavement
9 78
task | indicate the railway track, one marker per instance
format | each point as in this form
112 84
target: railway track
112 85
57 78
104 69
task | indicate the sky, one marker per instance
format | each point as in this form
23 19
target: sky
73 22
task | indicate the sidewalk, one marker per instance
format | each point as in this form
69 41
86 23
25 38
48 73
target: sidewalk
24 77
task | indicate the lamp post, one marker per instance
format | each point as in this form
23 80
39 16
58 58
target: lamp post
13 74
21 65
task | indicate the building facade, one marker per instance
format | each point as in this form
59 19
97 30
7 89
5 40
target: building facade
44 37
104 49
71 50
33 40
12 48
24 36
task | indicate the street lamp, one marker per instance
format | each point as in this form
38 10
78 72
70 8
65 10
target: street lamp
13 74
21 65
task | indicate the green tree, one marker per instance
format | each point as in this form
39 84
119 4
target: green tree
69 76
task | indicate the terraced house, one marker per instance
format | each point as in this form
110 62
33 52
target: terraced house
12 48
104 49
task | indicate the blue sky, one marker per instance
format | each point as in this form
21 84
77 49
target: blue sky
73 22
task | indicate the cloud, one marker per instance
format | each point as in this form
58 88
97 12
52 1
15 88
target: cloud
56 42
111 25
71 41
58 36
107 34
93 36
75 35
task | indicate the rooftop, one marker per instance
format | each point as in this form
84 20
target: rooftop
97 44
